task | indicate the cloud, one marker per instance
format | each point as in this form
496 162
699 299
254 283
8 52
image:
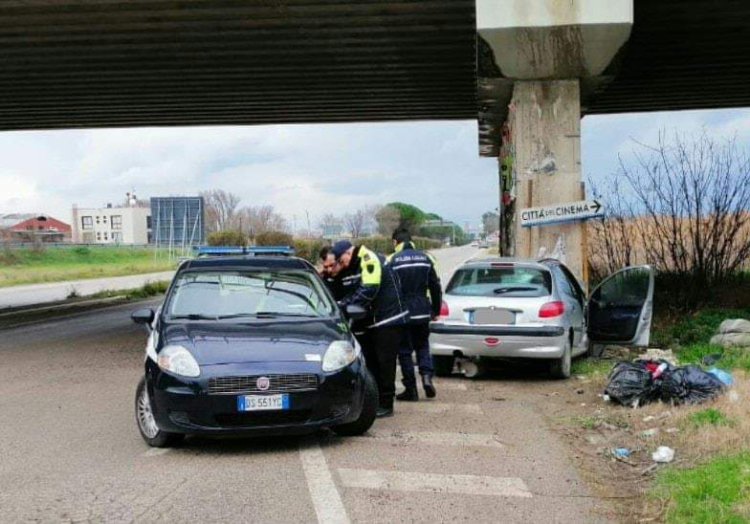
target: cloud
299 169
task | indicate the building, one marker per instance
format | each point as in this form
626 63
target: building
178 222
33 227
127 224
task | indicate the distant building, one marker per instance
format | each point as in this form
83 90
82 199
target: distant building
33 227
126 224
178 222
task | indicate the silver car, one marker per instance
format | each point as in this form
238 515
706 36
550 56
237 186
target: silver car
508 308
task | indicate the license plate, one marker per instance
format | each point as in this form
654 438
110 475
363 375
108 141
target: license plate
493 316
262 402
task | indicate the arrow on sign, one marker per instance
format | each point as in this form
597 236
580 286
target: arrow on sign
597 206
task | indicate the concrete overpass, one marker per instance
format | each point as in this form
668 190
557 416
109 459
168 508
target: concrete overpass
107 63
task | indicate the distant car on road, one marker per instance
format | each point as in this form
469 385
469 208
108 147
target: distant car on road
250 345
505 308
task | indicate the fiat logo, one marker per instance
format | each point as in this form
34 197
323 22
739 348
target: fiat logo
263 383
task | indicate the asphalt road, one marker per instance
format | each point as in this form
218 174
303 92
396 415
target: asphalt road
16 296
70 450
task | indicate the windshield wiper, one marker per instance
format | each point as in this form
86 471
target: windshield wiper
266 314
503 290
193 316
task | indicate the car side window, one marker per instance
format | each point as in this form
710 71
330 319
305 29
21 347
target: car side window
577 290
565 286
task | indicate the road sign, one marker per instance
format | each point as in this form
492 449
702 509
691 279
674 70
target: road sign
558 213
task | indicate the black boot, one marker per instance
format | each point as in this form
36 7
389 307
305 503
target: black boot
429 387
410 394
384 411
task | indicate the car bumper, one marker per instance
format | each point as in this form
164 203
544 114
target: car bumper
544 342
182 405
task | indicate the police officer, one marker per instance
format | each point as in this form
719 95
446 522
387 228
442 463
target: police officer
373 285
422 295
327 269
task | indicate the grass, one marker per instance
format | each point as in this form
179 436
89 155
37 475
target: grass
709 417
150 289
591 367
715 492
58 264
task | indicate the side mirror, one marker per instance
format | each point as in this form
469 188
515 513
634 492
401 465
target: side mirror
355 312
143 316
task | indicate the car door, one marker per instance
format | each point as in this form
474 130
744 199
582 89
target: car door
574 302
620 309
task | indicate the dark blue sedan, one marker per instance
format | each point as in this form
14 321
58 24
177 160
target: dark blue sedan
250 345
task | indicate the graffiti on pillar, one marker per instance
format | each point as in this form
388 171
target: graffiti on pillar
507 190
558 253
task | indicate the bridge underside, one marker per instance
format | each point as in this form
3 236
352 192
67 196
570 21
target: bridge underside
106 63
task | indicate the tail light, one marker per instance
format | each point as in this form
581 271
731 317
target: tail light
444 311
552 309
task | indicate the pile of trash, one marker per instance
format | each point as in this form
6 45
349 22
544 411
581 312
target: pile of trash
642 381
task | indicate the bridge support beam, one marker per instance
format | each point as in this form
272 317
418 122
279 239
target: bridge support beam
550 51
544 121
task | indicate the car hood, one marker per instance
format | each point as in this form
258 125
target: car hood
268 341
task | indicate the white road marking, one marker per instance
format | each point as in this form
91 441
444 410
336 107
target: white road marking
438 439
325 497
155 452
438 407
433 483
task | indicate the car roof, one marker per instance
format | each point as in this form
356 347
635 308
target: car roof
247 262
485 262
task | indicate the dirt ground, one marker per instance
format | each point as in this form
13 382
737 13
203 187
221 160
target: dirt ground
592 428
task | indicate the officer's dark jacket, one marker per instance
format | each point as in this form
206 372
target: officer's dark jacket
420 284
378 289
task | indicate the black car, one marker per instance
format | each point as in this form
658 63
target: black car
250 345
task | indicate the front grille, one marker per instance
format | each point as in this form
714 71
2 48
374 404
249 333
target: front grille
263 418
278 384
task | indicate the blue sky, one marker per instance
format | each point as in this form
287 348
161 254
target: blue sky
304 169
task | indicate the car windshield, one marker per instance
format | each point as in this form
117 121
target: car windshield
501 280
217 295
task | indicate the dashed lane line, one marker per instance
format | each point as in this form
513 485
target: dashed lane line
436 438
434 483
325 497
438 407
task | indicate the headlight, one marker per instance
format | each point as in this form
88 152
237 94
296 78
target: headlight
178 360
339 355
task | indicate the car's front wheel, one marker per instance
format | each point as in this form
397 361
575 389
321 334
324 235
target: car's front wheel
150 432
368 414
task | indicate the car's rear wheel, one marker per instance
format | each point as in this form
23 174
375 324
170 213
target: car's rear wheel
368 414
144 416
560 367
443 365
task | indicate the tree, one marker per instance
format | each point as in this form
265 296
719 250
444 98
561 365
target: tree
411 216
355 222
388 219
490 222
220 208
682 206
255 220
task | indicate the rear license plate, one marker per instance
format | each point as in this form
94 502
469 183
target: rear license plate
262 402
493 316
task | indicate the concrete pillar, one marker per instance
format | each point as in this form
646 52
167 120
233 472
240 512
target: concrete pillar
544 121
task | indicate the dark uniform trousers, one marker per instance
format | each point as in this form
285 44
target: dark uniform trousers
415 338
380 348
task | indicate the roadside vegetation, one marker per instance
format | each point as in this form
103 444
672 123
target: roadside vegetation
60 264
683 207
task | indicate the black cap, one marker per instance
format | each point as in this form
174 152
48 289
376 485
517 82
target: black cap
341 247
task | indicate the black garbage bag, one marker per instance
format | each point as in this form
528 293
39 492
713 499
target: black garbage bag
689 385
631 384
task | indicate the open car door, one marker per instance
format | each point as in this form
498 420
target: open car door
620 309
